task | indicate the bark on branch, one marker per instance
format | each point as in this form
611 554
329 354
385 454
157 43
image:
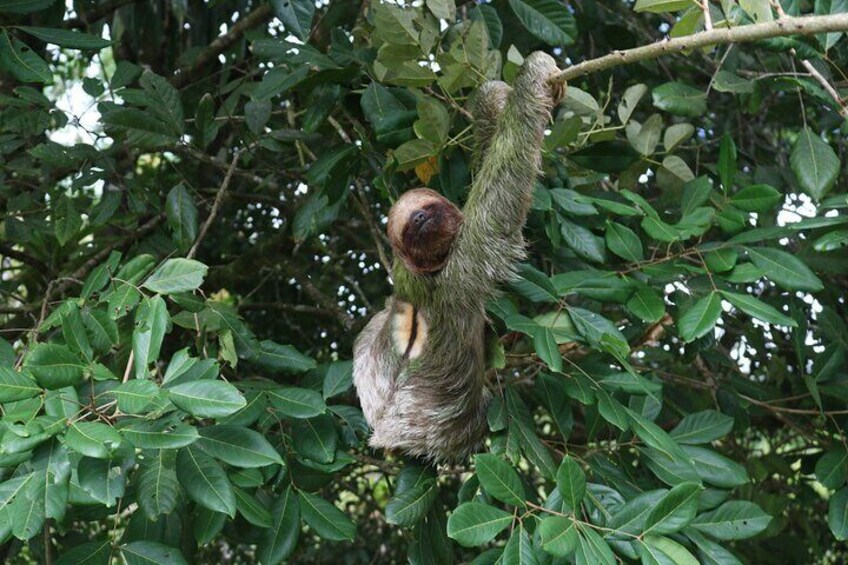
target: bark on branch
807 25
223 42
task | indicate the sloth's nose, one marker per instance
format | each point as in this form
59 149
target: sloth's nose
418 218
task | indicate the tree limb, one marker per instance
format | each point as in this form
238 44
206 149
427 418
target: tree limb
223 42
806 25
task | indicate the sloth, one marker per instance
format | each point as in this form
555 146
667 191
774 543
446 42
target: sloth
418 366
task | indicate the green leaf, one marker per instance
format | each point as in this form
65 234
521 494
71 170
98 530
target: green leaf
102 479
92 439
721 260
700 318
784 269
165 101
646 304
655 437
606 157
660 549
16 385
151 324
135 395
279 541
238 446
559 535
176 275
756 198
758 309
473 523
91 553
22 62
624 242
582 241
734 520
158 435
205 481
815 164
207 399
519 549
702 427
296 16
675 510
837 514
716 469
660 6
316 438
680 99
329 522
592 549
283 358
66 38
547 20
102 330
831 468
410 506
297 402
571 482
23 6
151 553
253 511
727 161
157 484
182 216
54 366
534 284
546 348
499 479
338 380
659 230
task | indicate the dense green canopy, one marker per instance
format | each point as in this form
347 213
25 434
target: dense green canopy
194 198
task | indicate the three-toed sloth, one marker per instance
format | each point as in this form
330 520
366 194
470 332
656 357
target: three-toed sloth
418 365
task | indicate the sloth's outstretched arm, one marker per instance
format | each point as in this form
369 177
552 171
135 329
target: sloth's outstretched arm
488 106
490 240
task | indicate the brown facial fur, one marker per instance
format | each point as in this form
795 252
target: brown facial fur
423 245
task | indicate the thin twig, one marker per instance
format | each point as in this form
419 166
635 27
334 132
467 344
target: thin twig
215 205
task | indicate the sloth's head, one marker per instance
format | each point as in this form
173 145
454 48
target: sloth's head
422 227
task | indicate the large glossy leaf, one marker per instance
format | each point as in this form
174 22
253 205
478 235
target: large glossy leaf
279 540
16 385
54 366
548 20
674 511
238 446
150 552
176 275
737 519
700 318
329 522
158 488
297 402
814 163
151 324
207 399
473 523
205 481
66 38
499 479
784 269
571 481
410 506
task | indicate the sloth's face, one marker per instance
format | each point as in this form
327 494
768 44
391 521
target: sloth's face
422 227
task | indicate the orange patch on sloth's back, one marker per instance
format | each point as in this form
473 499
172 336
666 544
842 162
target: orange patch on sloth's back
409 330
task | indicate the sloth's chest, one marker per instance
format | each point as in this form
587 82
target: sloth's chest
409 330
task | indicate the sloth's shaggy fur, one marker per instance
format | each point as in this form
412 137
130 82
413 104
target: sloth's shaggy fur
428 398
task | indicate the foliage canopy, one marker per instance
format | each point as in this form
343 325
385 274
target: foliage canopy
194 197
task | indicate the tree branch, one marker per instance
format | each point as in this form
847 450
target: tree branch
806 25
215 206
223 42
99 12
